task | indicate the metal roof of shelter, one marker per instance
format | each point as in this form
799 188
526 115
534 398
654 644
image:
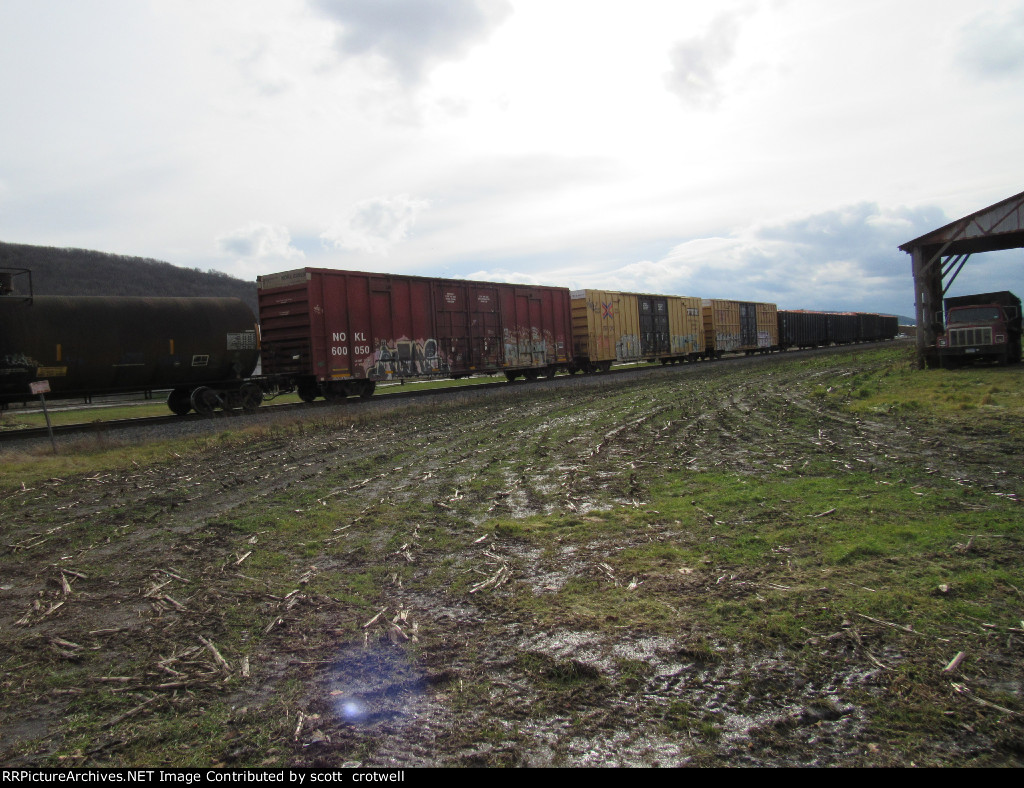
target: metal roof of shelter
939 256
998 227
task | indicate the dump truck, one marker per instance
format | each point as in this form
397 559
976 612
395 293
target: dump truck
982 327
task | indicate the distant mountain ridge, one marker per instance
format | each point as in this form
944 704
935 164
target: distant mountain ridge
58 271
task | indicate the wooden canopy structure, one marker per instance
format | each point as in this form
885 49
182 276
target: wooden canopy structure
939 256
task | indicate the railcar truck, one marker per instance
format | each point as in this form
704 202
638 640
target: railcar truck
982 327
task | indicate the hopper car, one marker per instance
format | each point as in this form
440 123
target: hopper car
334 334
806 329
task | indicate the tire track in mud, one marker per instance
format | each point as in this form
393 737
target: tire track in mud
745 430
588 457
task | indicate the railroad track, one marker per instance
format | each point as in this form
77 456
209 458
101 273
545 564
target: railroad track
223 417
240 417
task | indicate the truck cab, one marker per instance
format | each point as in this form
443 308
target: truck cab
983 327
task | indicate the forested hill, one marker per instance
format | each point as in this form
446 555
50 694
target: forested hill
83 272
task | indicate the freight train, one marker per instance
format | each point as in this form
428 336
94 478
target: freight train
335 334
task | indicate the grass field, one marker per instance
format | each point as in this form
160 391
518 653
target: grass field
811 561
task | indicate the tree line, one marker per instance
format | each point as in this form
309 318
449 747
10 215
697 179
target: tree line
69 272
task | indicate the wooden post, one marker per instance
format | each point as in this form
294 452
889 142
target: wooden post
927 300
923 323
40 387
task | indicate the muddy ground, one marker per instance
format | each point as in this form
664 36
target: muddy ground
355 591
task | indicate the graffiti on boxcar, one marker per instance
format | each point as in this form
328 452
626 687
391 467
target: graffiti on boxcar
627 348
685 344
406 358
726 342
16 363
526 347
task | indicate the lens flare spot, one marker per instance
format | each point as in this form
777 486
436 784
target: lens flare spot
352 710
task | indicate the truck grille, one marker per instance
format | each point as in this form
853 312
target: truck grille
964 337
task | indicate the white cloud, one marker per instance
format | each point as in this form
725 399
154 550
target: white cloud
841 259
992 45
375 225
697 62
545 139
257 241
505 275
412 36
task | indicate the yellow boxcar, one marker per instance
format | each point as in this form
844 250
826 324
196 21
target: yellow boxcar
612 327
739 327
721 326
767 328
687 328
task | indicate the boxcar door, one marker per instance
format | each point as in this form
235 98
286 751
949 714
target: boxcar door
452 322
484 334
654 333
748 325
528 329
381 340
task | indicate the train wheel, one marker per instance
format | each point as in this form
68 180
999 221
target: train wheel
367 389
510 376
307 394
252 397
179 402
530 374
204 401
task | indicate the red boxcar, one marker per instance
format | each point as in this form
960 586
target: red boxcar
335 333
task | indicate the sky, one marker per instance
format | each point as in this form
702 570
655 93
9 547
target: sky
766 150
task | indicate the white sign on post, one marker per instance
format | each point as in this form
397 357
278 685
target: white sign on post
41 388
